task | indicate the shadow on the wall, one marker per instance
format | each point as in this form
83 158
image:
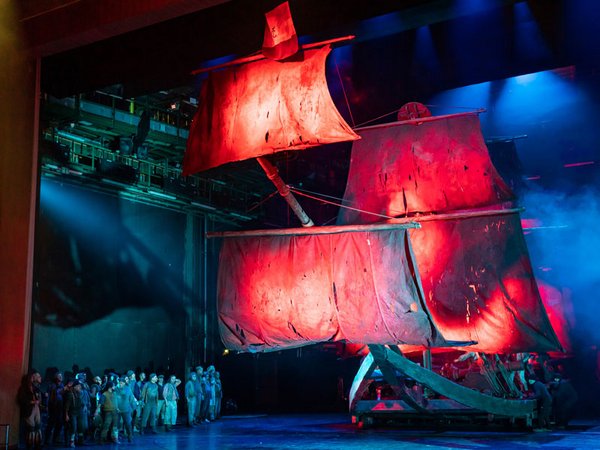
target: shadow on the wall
90 263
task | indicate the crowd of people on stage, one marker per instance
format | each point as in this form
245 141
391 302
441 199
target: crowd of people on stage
79 407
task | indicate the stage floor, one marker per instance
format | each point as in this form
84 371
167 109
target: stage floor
334 431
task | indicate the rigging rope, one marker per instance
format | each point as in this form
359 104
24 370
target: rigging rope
377 118
398 109
337 68
296 191
256 205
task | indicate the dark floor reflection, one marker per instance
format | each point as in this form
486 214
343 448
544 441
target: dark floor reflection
334 431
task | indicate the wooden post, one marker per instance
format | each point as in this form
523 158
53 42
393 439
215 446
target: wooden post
427 359
284 191
361 380
379 353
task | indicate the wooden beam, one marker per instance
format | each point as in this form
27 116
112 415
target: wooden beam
259 56
284 191
388 372
420 120
461 394
456 215
361 381
314 230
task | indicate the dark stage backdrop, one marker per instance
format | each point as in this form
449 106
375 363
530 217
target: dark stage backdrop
309 379
109 283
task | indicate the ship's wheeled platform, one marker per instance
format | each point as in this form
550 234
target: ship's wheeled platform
422 396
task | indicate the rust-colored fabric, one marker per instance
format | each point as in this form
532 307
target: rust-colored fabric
476 275
479 284
288 291
439 164
559 307
280 39
261 108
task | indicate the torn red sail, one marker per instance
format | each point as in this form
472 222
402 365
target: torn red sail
559 307
475 271
278 292
479 284
280 39
436 164
261 108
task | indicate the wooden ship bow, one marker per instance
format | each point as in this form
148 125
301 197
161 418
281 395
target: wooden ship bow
470 255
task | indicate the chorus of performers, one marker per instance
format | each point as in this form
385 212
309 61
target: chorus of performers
79 408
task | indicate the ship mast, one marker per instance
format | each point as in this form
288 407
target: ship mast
284 191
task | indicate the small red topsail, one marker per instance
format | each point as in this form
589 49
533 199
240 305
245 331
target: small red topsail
266 106
280 41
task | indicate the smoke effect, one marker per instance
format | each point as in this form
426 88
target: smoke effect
565 251
553 167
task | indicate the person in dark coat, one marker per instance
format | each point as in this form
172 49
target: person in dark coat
160 409
564 399
544 399
199 394
206 399
30 400
191 398
75 414
55 410
218 395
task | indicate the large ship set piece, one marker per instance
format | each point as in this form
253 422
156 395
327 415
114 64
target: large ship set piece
428 255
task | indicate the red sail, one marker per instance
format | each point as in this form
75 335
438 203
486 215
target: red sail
475 271
279 292
479 284
436 164
261 108
280 39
